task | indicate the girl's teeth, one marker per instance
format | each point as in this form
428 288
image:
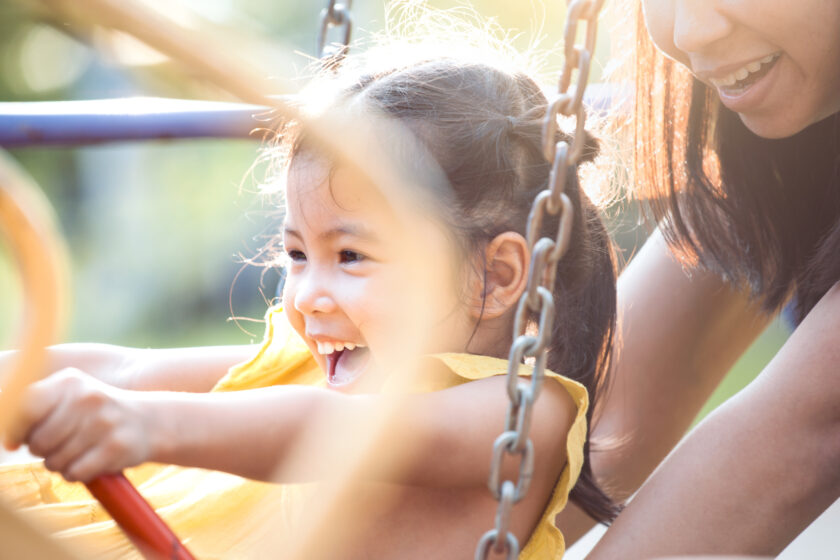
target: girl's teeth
326 348
753 66
741 74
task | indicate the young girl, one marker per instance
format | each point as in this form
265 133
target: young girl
371 283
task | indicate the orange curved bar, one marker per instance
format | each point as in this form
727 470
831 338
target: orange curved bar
27 222
28 225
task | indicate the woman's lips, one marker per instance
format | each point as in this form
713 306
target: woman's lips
747 95
747 72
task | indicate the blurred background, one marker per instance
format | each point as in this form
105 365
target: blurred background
159 231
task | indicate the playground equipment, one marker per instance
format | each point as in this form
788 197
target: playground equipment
27 223
232 76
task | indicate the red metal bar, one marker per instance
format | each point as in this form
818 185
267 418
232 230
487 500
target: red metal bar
135 516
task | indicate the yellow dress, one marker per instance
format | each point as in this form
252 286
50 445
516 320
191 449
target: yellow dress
219 515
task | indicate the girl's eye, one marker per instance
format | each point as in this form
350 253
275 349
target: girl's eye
296 255
348 256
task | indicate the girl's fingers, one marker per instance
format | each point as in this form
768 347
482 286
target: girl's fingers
38 401
94 462
53 432
80 441
80 427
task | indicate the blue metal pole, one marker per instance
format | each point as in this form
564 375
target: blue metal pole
114 120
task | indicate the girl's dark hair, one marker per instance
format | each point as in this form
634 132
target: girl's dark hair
764 213
483 127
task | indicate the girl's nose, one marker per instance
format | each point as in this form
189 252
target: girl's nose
698 24
312 296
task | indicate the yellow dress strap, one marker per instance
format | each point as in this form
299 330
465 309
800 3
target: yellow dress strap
546 541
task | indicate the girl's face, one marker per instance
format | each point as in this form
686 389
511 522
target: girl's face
365 281
774 62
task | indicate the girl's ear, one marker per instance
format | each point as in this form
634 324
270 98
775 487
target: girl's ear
503 278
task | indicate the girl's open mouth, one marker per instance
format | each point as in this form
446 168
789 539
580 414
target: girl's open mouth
345 366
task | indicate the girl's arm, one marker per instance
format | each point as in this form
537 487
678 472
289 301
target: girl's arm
84 428
443 438
759 469
172 369
679 335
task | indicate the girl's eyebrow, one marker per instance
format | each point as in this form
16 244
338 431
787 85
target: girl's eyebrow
287 231
354 230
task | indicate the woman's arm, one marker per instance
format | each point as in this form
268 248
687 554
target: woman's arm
171 369
679 335
759 469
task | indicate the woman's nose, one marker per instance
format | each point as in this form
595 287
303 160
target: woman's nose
698 24
311 295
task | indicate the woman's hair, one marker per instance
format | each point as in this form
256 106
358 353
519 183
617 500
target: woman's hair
763 213
483 127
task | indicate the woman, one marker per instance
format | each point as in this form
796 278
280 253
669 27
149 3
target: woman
737 144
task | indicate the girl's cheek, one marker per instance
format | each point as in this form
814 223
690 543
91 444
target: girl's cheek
371 303
288 301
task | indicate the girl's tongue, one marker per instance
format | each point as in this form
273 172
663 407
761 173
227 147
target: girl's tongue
345 366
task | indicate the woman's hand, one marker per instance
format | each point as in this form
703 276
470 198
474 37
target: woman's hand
83 427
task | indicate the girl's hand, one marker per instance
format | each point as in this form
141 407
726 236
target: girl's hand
82 426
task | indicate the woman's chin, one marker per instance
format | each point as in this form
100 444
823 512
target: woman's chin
772 128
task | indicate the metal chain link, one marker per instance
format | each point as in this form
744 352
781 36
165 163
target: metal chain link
537 301
335 15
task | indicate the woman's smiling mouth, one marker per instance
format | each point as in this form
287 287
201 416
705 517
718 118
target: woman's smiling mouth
739 80
745 87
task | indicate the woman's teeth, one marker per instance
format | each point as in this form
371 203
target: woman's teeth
327 348
741 73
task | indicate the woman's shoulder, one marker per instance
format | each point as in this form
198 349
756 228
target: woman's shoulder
821 272
815 337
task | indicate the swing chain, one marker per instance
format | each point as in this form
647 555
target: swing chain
537 303
336 14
